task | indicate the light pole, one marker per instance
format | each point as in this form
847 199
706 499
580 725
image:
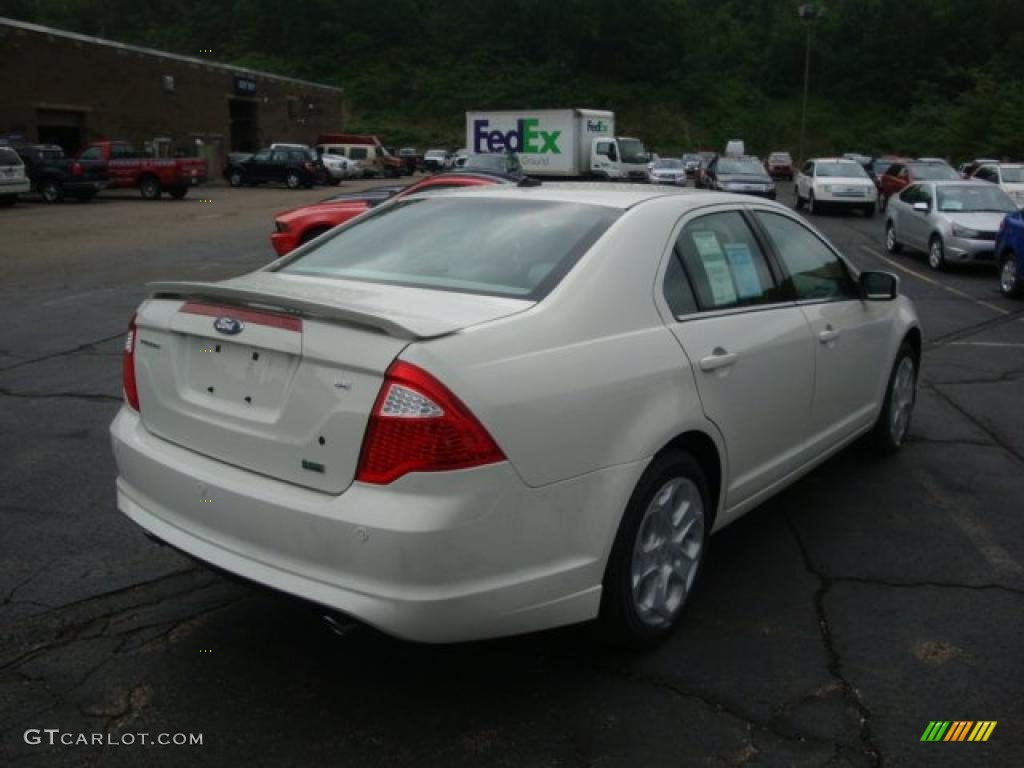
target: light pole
808 13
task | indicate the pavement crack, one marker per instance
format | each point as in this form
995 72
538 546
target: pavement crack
835 667
925 584
65 395
978 423
88 346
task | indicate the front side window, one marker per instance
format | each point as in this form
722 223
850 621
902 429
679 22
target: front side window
724 263
815 271
261 157
513 248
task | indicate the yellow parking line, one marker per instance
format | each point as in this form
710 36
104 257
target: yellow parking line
930 281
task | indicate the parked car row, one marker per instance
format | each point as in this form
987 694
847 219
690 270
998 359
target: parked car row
46 170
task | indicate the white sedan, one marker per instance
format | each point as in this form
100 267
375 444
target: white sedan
504 409
835 181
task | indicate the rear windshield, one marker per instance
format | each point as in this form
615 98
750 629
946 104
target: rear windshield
9 157
780 157
514 248
751 167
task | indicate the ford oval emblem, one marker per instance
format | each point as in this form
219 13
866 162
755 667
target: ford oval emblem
228 325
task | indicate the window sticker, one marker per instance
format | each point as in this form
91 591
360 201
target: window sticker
715 267
748 284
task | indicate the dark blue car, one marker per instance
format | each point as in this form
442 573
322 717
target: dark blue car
1010 254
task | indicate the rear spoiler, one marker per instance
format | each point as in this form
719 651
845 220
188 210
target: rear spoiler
290 304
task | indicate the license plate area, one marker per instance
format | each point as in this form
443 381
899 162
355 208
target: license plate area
238 376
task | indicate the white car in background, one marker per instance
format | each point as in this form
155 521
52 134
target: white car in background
13 181
1009 176
338 166
427 419
835 181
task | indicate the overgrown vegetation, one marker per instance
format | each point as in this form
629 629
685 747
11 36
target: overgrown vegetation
937 77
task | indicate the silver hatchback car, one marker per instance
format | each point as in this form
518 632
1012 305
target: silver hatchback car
951 221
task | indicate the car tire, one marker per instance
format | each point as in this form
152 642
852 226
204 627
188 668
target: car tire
178 193
334 182
1011 282
50 190
812 206
292 181
150 188
658 552
799 200
311 234
892 245
235 179
936 254
893 423
6 201
869 210
85 197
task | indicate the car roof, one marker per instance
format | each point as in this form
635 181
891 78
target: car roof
833 160
609 195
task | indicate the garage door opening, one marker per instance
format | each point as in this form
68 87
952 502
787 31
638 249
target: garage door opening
244 125
65 128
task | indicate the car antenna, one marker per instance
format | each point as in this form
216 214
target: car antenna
527 181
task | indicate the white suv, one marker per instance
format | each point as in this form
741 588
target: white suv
13 180
1009 176
835 181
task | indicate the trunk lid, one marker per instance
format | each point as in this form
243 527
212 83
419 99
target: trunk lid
278 374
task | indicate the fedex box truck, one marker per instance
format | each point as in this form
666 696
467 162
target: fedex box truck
568 143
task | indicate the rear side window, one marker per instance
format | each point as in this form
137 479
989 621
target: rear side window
357 153
513 248
816 272
9 157
724 263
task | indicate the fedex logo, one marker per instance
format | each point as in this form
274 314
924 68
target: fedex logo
597 126
525 138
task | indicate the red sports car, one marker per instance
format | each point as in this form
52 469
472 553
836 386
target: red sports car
298 226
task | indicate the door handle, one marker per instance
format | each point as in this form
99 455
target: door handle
718 358
828 335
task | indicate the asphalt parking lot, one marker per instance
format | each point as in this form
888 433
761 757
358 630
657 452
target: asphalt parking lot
834 623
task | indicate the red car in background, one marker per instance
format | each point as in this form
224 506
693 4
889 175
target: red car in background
298 226
152 176
900 175
779 165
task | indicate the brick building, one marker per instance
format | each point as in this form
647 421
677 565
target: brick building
69 89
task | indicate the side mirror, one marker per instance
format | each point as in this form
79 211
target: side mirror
879 286
922 207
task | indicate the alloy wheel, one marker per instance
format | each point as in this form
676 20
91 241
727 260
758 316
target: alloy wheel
1008 279
667 552
901 400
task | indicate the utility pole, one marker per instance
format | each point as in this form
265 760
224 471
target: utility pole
808 13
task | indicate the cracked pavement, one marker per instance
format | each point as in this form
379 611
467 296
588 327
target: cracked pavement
832 625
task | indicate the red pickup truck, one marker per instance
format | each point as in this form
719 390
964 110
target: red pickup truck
151 175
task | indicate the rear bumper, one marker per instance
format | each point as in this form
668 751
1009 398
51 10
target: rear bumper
14 187
433 557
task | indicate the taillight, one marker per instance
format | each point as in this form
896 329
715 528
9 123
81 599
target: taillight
131 392
418 425
76 169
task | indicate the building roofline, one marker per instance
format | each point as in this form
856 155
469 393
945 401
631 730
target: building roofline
24 25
